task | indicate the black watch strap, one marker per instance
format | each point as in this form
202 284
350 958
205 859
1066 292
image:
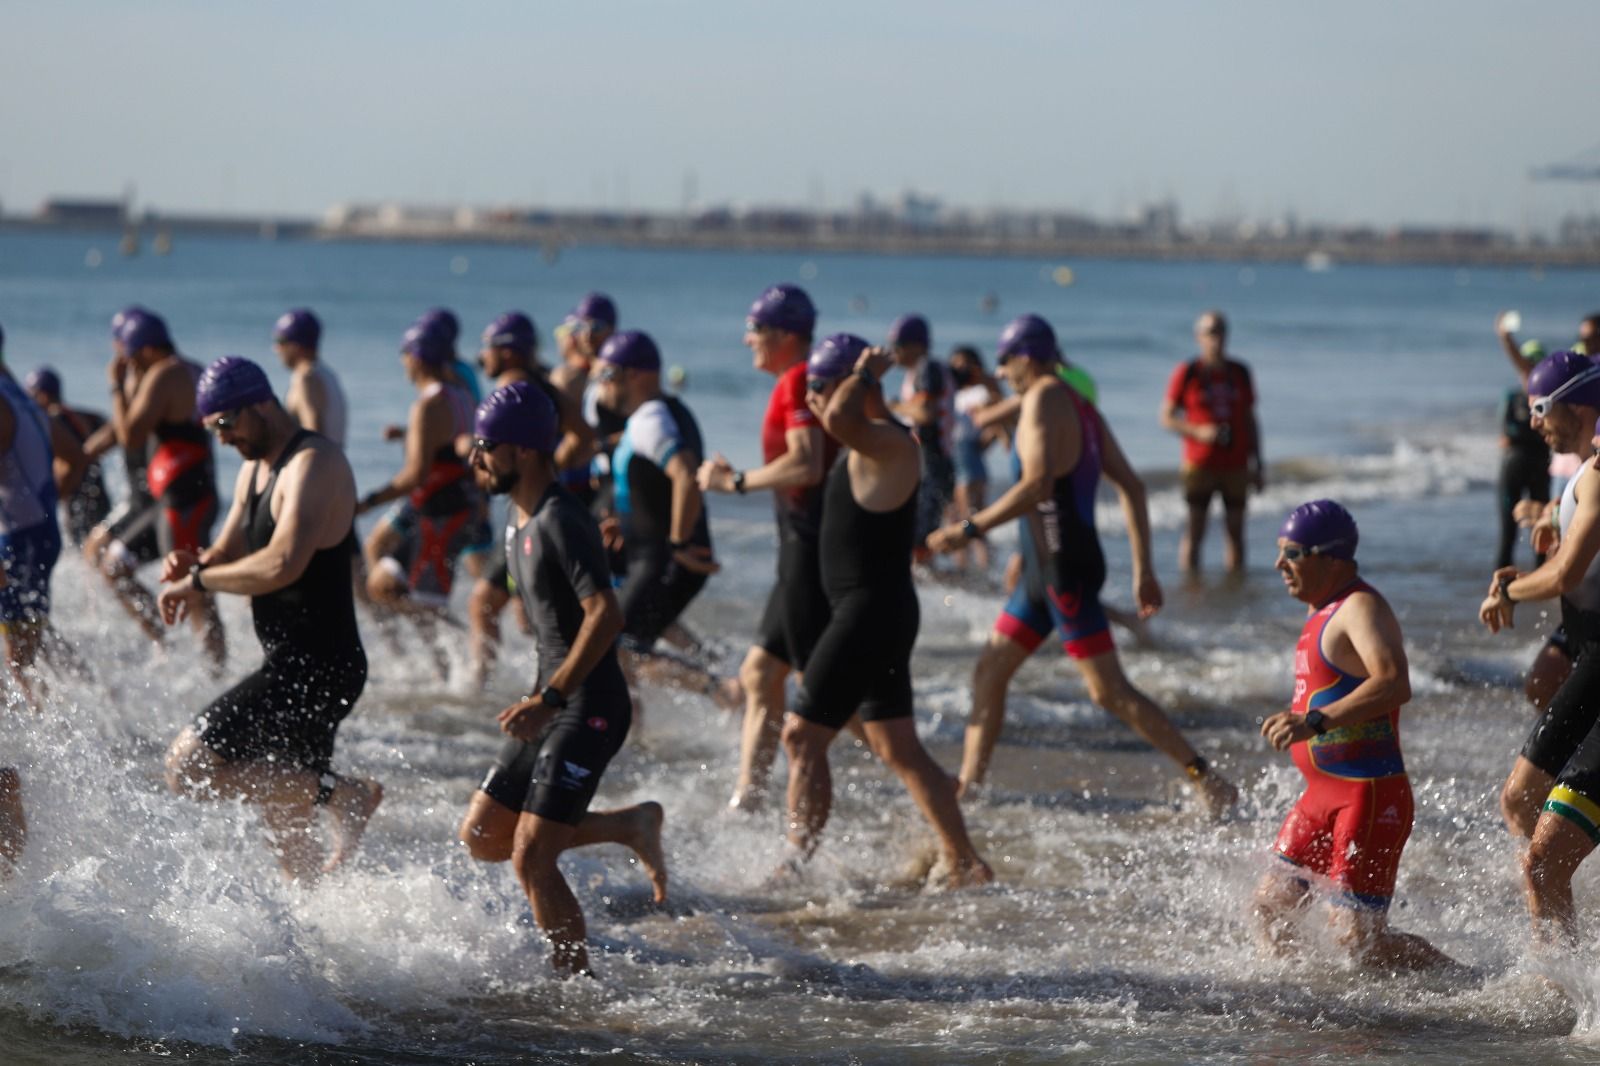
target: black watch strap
1317 721
552 697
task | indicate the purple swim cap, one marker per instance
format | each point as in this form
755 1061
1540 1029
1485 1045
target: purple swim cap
520 414
1566 377
835 357
300 327
1028 335
144 329
1323 527
431 346
119 319
443 321
230 383
512 330
631 349
596 307
910 329
45 380
785 307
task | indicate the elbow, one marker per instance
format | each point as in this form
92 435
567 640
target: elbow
609 622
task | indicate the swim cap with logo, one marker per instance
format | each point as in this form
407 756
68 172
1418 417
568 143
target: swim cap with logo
298 326
230 383
45 380
1028 335
785 307
835 357
520 414
513 330
1566 377
631 349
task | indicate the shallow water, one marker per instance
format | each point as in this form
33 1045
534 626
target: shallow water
141 926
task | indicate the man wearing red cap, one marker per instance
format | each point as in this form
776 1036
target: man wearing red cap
287 543
1343 729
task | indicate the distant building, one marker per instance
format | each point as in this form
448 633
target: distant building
112 214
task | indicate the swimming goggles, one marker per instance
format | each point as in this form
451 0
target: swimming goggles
1540 408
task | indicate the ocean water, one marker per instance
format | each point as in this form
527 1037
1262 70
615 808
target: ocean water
143 927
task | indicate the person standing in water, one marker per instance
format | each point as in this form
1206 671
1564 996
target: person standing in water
287 543
534 803
1343 730
1063 445
861 664
87 502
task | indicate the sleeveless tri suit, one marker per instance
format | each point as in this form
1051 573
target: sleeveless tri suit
1353 820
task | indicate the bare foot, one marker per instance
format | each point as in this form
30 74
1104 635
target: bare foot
1218 794
967 874
728 694
349 809
646 843
748 801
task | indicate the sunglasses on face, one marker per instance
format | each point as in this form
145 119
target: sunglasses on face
817 385
1294 553
484 444
609 373
226 422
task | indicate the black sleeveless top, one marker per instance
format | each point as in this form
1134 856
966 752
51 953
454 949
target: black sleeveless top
862 550
316 613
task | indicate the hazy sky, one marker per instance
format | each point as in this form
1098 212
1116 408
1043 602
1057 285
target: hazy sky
1384 112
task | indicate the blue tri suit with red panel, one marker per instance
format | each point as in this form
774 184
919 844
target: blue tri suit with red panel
1356 814
1063 566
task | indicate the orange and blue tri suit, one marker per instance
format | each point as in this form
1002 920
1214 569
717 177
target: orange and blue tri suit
1353 820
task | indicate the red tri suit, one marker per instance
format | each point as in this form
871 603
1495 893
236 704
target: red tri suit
787 410
1356 813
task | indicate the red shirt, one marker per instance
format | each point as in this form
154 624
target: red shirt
1222 396
785 411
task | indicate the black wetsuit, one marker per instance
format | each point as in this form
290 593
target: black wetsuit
862 661
1524 470
315 667
91 503
656 589
557 561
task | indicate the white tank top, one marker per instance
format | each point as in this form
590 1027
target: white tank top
27 483
335 415
1586 596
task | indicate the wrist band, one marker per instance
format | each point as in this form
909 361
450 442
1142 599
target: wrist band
1197 769
738 482
866 375
194 576
1505 589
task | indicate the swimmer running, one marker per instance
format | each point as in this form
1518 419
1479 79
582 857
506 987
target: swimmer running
287 543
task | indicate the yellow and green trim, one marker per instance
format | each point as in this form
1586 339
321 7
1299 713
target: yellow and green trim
1576 808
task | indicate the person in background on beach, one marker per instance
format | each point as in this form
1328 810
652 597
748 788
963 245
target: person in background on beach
534 803
926 404
315 398
795 454
1063 445
1564 397
509 354
1343 730
287 543
1525 457
153 415
411 554
83 492
975 390
661 524
861 664
1211 404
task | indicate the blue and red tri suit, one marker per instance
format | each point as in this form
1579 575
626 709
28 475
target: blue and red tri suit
1063 567
1353 820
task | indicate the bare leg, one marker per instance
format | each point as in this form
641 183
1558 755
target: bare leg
537 846
349 810
810 781
1546 674
1233 524
1280 897
991 677
895 742
22 648
1110 688
1194 536
483 615
138 602
13 822
1368 938
763 675
1523 796
489 832
1558 848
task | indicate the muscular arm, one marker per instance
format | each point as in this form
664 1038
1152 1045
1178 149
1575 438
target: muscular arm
577 443
427 430
1365 638
845 419
314 494
1135 505
1508 344
799 466
69 463
137 420
1563 571
998 413
686 499
602 624
310 397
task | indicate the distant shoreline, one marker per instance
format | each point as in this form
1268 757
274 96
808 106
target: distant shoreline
1432 248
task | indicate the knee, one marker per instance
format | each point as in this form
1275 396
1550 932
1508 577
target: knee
761 671
481 607
534 860
1540 871
800 741
481 846
1516 808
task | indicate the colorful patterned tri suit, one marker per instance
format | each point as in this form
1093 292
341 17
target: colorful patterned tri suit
1356 813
